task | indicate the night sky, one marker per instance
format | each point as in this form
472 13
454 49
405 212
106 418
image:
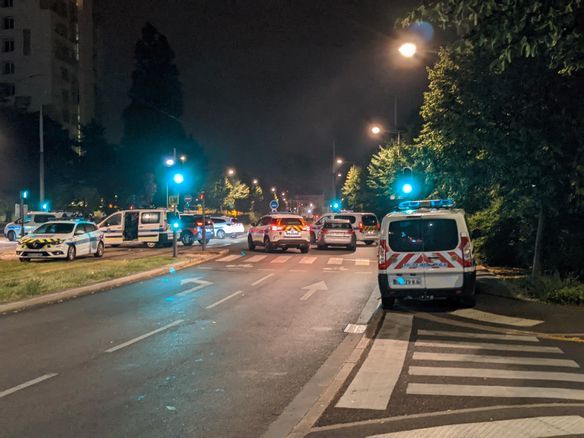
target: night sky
269 84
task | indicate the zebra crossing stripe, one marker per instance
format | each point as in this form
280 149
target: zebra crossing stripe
489 346
229 258
362 262
449 334
494 391
335 261
281 259
507 360
534 427
491 373
494 318
256 258
307 260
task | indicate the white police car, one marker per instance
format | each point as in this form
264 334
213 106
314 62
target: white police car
425 253
32 220
61 239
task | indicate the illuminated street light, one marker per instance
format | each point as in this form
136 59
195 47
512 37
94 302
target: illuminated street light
231 172
255 182
339 174
273 189
375 130
183 158
169 162
408 49
340 161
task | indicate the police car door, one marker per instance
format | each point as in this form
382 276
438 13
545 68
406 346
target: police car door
442 258
150 226
82 240
112 228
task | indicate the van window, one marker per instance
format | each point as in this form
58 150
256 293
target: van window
113 220
369 220
151 217
423 235
337 225
349 218
42 218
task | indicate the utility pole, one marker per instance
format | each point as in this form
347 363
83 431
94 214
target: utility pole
204 232
41 156
333 174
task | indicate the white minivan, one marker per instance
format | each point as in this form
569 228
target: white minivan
425 253
150 226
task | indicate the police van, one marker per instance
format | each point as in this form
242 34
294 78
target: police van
425 253
150 226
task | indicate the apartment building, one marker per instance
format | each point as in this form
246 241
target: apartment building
47 58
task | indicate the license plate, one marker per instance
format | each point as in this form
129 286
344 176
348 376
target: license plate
400 281
292 233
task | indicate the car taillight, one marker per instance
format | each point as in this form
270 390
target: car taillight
361 226
277 228
466 252
199 224
378 227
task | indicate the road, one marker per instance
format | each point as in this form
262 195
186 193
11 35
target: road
216 350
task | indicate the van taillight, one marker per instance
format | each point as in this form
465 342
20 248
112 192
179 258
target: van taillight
382 254
466 252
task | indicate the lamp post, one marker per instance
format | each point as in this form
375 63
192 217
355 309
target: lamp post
23 197
376 130
178 179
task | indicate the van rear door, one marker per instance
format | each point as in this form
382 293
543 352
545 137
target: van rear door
404 239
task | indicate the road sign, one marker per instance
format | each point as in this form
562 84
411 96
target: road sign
188 198
274 204
173 200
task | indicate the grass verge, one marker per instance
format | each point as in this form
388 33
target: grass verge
24 280
548 288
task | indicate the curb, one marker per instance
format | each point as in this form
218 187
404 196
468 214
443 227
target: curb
304 410
90 289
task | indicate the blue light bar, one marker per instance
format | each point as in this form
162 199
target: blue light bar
427 203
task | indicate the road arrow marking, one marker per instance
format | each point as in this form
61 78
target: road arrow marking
311 289
201 284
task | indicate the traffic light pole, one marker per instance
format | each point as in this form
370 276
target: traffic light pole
204 244
21 215
174 242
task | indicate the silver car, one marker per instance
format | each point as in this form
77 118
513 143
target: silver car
337 232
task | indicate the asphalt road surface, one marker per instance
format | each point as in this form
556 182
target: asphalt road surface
216 350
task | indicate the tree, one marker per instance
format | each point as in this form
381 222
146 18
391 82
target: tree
236 192
352 188
152 126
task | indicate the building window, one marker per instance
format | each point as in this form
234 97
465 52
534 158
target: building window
26 42
8 46
8 68
8 23
6 90
7 3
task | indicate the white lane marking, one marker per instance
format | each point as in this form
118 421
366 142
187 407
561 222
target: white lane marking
256 258
281 259
240 266
364 272
362 262
534 427
335 261
449 334
297 270
491 373
508 360
494 318
494 391
355 328
307 260
375 381
216 303
27 384
229 258
489 346
255 283
197 280
312 288
144 336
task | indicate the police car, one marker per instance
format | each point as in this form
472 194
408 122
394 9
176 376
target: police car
280 230
61 240
365 225
32 220
425 253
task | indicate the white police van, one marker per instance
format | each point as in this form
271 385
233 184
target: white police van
150 226
425 253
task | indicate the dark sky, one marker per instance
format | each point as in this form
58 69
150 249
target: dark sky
269 84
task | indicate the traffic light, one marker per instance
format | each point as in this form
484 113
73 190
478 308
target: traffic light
45 206
24 194
406 184
335 205
178 178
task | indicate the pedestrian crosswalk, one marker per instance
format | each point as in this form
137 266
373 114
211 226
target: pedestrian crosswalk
276 259
507 366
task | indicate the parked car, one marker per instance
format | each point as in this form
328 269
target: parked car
32 220
192 229
227 226
365 225
337 232
61 239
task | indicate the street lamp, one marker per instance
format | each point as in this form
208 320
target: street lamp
340 161
178 179
255 182
183 158
273 189
408 49
230 171
377 130
169 162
